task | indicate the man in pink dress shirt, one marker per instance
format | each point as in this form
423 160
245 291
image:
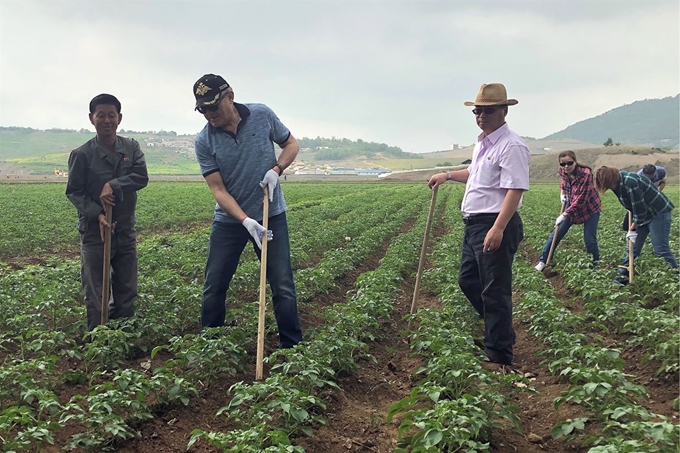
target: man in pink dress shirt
494 184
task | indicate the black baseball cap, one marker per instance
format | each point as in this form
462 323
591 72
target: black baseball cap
209 89
649 169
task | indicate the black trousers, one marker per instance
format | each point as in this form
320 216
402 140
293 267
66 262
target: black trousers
486 280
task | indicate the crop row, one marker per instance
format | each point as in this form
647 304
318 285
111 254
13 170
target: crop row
595 376
43 221
645 311
40 333
270 414
457 405
334 228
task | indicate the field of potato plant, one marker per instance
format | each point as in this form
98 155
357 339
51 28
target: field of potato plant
602 374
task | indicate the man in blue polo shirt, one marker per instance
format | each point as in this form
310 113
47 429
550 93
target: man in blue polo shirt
655 173
235 151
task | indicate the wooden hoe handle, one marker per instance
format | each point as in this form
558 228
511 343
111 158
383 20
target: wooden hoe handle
263 288
106 275
421 263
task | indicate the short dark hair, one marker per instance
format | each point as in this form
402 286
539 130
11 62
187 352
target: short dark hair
104 99
649 169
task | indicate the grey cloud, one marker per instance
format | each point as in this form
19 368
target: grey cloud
396 72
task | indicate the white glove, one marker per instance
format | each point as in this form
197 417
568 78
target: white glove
560 219
256 231
563 198
271 179
632 236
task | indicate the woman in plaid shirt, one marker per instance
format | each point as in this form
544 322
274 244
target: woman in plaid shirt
650 210
581 206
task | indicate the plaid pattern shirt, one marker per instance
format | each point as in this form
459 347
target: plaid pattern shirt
582 198
641 197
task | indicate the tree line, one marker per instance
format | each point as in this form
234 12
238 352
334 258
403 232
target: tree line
343 148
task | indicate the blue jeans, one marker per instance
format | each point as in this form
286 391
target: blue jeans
659 229
486 281
227 241
589 237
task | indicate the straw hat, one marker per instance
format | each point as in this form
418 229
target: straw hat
492 94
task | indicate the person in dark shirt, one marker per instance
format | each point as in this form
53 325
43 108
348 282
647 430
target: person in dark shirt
650 211
106 173
655 173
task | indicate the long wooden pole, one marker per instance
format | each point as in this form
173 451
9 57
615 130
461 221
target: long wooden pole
423 250
631 258
263 288
106 274
554 241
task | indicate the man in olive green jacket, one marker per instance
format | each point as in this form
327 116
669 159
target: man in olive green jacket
106 172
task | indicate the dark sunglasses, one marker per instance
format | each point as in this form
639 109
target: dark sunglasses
215 106
208 108
567 164
488 110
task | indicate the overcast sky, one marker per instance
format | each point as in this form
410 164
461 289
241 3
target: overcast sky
395 72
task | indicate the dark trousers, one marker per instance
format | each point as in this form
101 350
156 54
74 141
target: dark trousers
486 280
227 241
123 274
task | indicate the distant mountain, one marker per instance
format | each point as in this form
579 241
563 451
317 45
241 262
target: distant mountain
653 122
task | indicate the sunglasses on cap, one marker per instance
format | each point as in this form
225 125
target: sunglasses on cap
488 110
567 164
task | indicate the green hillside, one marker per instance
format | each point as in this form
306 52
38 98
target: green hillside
334 149
34 151
653 122
26 151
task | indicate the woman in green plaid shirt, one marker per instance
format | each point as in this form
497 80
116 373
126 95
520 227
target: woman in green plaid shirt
650 209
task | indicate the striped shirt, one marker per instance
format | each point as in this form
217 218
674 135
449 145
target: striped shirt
582 198
641 197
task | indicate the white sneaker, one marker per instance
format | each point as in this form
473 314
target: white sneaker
540 266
